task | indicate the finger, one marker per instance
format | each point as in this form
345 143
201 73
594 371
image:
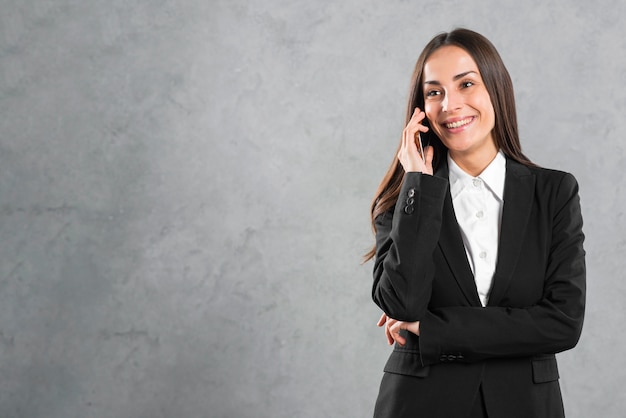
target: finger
417 117
386 322
417 113
388 332
415 126
395 332
409 153
402 144
430 154
394 329
390 339
408 145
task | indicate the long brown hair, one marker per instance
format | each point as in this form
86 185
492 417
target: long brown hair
500 88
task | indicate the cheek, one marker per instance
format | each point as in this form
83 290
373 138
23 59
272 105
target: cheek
491 116
431 115
429 109
485 103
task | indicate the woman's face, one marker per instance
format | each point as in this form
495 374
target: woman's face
457 103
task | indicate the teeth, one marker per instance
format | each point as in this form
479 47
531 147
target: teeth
458 124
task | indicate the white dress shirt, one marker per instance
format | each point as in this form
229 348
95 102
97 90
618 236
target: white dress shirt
478 203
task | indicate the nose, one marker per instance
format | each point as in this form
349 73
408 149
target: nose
451 101
444 102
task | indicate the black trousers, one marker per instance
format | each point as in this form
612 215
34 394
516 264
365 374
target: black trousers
479 410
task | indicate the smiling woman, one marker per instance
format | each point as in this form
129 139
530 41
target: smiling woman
479 264
458 104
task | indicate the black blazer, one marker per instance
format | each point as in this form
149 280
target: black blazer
535 307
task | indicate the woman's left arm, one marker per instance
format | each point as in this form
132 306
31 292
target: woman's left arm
552 325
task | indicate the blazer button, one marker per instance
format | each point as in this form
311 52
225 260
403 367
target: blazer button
410 201
411 192
409 209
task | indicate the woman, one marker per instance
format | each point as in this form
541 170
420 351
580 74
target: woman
479 262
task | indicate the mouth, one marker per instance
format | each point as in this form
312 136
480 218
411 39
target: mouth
459 123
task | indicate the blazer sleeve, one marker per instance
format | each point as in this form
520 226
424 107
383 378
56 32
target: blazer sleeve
552 325
405 241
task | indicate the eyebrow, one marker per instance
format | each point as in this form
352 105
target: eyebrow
455 78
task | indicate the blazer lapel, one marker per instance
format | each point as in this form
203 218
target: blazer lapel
452 248
519 187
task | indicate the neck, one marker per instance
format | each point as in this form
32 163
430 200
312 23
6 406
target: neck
474 164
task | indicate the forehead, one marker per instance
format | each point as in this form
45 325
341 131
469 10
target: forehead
447 62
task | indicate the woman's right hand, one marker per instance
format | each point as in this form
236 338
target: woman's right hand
409 154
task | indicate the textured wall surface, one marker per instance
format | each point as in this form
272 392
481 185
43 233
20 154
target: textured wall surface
185 185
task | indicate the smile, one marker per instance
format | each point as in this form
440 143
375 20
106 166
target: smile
459 123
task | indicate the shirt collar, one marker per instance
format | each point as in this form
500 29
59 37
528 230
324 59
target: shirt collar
493 176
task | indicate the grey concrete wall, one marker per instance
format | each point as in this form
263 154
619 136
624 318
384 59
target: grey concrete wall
184 193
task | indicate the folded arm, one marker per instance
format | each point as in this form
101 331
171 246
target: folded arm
551 325
405 242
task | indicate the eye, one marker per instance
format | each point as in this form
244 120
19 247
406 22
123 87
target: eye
431 94
467 84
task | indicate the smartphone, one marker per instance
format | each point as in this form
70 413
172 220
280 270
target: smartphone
423 144
423 138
